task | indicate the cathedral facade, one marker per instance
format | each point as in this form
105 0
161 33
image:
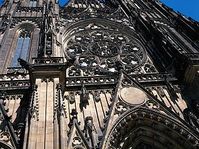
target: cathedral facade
98 74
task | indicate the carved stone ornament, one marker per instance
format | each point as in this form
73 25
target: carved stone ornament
133 95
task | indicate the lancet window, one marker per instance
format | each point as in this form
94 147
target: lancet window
22 47
33 3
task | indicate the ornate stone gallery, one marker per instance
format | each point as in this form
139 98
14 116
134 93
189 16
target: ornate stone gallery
98 74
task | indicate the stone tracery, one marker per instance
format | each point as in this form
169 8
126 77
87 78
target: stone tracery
97 71
100 46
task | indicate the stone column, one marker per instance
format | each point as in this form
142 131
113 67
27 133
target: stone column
43 132
31 120
61 118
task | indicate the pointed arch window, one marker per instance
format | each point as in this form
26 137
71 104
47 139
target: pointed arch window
33 3
22 48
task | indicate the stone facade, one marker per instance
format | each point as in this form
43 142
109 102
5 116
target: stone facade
98 74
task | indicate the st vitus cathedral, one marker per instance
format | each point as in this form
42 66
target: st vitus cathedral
115 74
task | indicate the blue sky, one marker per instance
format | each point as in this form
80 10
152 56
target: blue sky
63 2
1 1
189 8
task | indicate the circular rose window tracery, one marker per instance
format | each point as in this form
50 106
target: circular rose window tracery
104 48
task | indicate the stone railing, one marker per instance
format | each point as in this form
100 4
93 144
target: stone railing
95 80
28 12
153 78
51 60
16 70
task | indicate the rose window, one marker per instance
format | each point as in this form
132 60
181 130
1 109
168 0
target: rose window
103 48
